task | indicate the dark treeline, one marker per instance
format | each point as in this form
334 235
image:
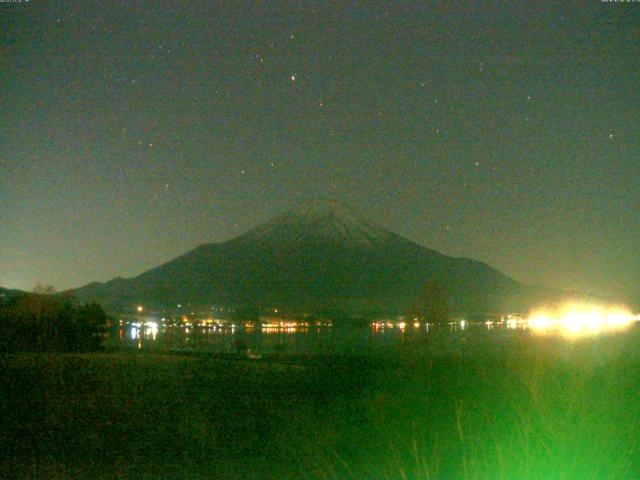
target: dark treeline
46 323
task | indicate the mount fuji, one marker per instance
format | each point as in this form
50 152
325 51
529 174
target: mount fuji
318 257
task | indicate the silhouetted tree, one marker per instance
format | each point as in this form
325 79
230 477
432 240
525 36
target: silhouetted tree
42 289
39 323
432 305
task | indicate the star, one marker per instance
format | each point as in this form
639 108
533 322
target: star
293 77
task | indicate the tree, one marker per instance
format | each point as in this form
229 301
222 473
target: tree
42 289
39 323
433 304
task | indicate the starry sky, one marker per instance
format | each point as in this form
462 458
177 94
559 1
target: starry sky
131 132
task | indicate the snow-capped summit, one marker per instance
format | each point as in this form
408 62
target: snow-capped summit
318 221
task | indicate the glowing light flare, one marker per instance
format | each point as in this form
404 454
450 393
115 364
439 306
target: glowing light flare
540 322
575 320
512 324
151 328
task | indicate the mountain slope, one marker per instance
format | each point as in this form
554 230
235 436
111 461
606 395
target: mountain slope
320 256
7 294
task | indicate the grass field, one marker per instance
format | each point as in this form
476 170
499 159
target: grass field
527 414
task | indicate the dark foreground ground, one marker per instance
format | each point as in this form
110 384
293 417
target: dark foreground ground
524 415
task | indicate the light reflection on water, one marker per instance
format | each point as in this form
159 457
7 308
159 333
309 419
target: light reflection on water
382 337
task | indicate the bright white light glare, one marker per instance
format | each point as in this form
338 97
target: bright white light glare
577 319
152 328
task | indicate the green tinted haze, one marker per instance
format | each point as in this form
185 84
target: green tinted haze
133 132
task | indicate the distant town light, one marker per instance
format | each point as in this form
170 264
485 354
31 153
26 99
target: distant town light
152 327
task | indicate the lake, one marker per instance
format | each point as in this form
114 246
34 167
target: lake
457 339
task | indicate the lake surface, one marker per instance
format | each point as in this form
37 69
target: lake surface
371 339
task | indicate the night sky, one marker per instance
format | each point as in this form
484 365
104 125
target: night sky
132 132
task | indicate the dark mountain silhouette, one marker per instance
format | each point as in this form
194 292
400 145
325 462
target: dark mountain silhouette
318 257
6 294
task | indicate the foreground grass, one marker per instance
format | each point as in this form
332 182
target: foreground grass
524 414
